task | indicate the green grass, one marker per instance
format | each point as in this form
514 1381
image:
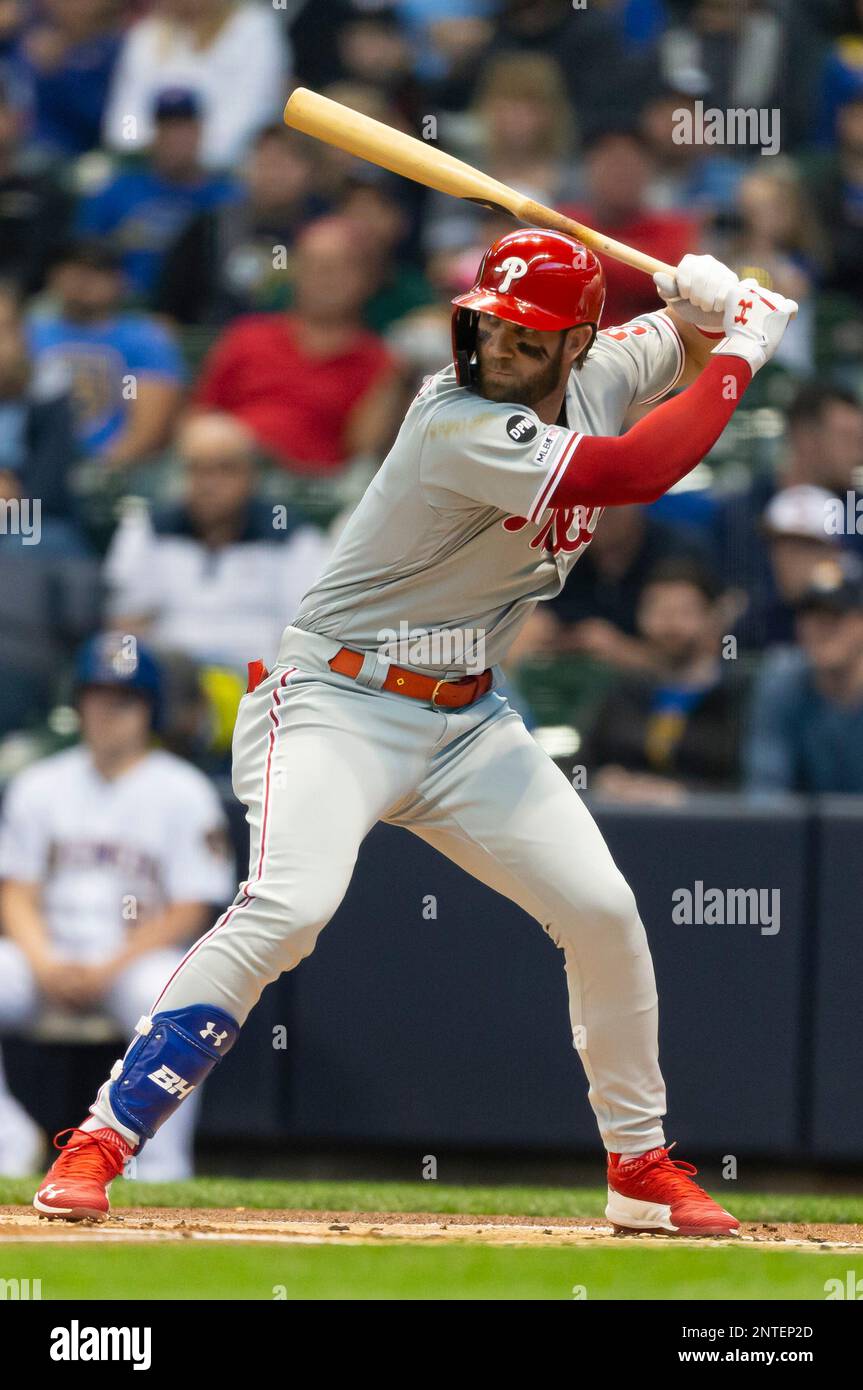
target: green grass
415 1272
256 1270
439 1197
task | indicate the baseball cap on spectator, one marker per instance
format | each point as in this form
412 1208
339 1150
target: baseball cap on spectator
177 104
836 587
113 660
800 512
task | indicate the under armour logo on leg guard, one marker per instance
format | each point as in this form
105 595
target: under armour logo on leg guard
173 1053
210 1032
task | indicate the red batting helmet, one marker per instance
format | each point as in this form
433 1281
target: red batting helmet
541 279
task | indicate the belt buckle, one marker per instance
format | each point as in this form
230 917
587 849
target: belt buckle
435 691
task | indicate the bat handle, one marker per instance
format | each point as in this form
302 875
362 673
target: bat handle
540 216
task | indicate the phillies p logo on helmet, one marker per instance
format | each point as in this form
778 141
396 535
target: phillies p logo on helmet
513 269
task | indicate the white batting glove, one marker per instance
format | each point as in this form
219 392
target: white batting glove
755 321
698 290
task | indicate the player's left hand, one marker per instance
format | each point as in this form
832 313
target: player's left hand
698 290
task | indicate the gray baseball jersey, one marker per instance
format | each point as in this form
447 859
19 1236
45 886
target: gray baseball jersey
455 541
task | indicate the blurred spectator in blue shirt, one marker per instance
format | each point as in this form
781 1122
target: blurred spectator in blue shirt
34 208
123 369
70 52
806 717
144 210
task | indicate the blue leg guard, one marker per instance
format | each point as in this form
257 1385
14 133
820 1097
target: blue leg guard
172 1054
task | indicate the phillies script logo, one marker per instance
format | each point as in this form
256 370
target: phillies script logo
567 529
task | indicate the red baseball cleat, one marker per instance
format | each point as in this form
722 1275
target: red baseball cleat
76 1186
653 1192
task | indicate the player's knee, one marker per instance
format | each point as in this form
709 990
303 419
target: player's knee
617 905
289 923
608 908
293 947
308 907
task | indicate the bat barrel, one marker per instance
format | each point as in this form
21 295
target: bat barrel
392 149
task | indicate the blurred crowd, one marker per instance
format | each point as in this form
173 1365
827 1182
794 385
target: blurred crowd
210 327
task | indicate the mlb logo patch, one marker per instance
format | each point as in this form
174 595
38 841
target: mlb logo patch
545 445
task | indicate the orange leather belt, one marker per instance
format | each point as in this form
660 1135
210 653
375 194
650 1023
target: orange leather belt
442 694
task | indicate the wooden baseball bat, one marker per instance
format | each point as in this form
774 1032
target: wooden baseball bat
367 138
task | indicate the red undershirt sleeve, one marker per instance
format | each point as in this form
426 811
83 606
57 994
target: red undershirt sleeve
642 464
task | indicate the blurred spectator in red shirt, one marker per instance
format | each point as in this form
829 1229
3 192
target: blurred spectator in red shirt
316 388
618 169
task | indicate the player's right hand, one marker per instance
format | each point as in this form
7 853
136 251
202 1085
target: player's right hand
755 320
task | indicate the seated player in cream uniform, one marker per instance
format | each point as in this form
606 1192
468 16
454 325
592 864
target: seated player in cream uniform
111 855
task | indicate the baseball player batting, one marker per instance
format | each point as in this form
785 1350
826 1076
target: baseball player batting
492 490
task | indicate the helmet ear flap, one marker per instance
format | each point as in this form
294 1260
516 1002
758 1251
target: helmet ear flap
464 329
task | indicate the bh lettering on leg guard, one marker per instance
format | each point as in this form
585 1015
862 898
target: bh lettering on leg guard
172 1053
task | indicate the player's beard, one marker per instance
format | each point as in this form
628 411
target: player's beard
522 390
